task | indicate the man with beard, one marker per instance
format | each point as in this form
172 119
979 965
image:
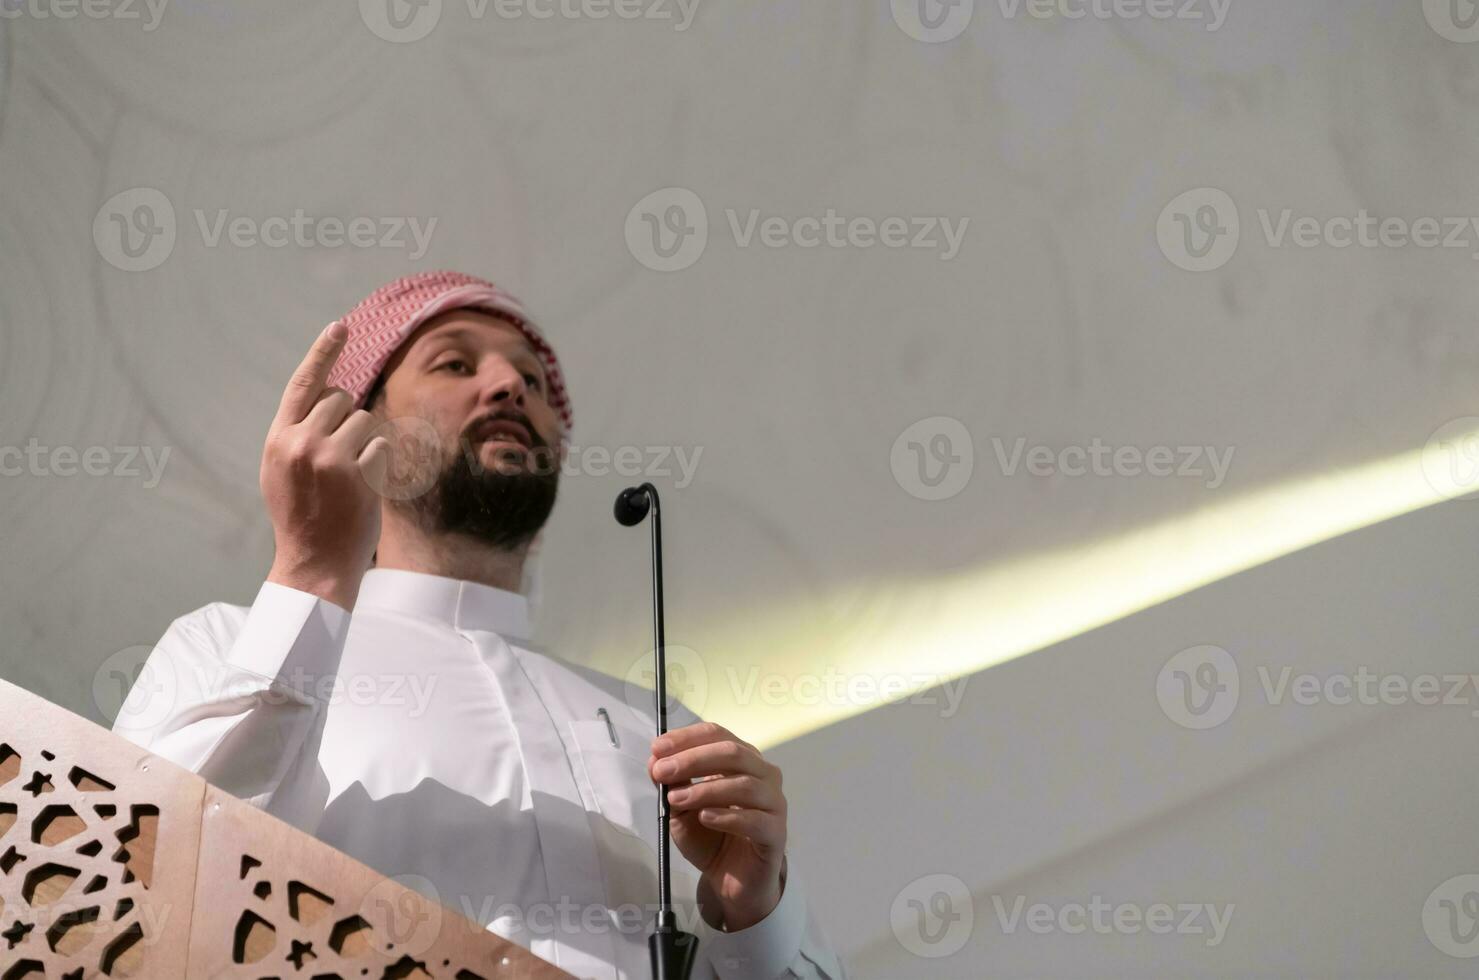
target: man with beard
381 694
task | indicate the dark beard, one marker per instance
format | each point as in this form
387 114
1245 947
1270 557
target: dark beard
502 505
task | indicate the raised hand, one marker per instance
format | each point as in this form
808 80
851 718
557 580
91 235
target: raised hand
320 465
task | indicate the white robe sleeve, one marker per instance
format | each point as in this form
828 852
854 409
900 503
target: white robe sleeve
238 696
788 944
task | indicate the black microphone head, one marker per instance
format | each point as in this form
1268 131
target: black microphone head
632 504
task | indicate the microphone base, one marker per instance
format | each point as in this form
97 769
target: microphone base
673 954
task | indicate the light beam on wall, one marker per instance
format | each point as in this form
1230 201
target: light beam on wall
777 675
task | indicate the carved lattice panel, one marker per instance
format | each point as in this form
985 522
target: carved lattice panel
276 903
116 863
83 892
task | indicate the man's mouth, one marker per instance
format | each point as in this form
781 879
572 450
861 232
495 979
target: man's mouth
503 430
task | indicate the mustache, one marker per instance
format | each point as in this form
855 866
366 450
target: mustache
541 456
504 422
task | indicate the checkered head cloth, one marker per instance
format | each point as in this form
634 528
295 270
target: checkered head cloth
383 321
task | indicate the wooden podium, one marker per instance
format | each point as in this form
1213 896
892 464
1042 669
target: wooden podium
116 863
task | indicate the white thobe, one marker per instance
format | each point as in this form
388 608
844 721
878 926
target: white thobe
423 736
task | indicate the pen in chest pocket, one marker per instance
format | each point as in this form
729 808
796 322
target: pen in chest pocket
605 716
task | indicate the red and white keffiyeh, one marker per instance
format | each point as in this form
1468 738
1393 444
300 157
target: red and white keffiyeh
385 318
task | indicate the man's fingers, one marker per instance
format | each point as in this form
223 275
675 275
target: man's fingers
714 759
742 791
355 431
689 736
309 379
329 412
374 461
765 829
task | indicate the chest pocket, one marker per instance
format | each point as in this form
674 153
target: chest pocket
624 793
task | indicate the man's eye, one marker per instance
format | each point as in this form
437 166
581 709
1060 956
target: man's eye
532 380
455 364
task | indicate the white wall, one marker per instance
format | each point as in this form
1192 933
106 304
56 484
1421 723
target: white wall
1061 778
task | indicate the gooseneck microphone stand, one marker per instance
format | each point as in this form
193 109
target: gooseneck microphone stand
672 951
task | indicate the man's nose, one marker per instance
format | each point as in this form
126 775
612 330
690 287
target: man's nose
505 385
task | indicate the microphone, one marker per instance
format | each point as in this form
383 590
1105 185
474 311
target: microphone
671 950
631 506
